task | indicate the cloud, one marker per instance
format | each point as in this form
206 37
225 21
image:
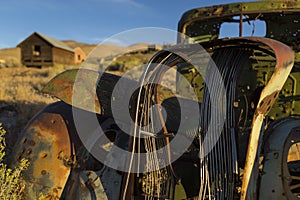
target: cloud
129 2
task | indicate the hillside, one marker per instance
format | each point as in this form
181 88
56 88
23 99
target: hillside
105 50
87 48
142 46
11 56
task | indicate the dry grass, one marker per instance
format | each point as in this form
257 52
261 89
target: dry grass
11 182
20 96
21 84
11 57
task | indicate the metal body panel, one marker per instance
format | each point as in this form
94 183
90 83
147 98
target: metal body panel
46 144
225 10
284 63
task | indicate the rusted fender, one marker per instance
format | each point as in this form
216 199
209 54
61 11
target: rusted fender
90 90
63 87
284 63
46 144
93 91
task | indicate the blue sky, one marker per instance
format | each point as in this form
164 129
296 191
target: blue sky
89 21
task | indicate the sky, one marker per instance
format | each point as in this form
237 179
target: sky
89 21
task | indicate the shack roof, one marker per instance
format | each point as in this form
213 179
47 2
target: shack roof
53 42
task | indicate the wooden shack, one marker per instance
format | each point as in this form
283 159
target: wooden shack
39 50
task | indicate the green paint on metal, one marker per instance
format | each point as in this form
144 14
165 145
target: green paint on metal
76 87
281 18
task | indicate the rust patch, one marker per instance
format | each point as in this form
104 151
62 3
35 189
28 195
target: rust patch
45 140
266 104
31 142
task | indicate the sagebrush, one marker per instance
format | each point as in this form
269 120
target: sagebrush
12 185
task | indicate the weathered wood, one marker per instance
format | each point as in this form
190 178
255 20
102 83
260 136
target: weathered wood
36 51
61 56
28 58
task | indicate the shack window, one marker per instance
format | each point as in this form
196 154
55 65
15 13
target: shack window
78 57
36 50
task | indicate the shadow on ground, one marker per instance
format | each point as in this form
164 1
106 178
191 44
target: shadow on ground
14 116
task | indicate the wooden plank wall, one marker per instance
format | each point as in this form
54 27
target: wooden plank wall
27 56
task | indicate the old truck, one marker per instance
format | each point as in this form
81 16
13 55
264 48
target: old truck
228 129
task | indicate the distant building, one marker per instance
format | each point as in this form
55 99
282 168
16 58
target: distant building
39 50
79 55
151 47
